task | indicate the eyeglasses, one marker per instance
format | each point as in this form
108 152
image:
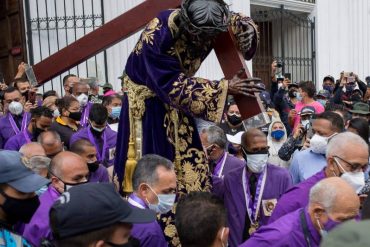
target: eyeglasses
356 167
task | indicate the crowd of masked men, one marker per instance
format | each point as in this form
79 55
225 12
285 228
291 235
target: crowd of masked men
300 180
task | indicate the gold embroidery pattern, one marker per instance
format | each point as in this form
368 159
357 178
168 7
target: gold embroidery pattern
147 36
203 98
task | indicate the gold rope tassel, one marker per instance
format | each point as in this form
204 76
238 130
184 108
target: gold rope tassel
131 160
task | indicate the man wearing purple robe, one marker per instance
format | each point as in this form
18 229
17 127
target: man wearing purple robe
154 183
251 192
16 118
346 153
67 169
221 162
104 139
332 201
41 119
84 148
81 92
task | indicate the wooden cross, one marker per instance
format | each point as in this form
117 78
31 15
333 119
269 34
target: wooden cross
231 60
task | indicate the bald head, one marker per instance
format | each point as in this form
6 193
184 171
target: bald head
333 198
32 149
66 164
51 142
254 140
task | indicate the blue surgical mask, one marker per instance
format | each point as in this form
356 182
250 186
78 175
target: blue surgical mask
322 102
327 227
329 88
299 96
278 134
116 111
165 202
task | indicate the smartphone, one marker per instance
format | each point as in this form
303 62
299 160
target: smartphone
31 76
31 97
288 76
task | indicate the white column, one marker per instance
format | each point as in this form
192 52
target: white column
342 35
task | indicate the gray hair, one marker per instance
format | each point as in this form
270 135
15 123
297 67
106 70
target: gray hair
324 194
341 141
146 170
215 135
38 163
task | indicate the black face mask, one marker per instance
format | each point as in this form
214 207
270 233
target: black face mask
19 209
93 166
36 132
95 132
76 116
234 119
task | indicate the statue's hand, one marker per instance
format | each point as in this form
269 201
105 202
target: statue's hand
245 39
246 87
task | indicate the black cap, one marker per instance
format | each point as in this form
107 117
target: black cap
307 110
93 206
329 77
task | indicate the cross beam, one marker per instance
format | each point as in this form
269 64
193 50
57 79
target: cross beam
118 29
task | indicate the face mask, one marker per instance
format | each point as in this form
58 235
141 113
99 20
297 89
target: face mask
322 102
165 202
318 144
76 116
83 99
93 166
116 111
15 108
328 226
234 119
350 87
278 134
256 162
67 186
280 85
56 113
299 96
41 190
19 209
355 179
328 88
306 124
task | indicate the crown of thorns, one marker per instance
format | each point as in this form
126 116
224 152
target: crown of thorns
194 29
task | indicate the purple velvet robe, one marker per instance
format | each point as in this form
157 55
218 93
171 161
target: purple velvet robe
39 228
278 181
110 149
285 232
231 163
17 141
296 197
6 130
99 176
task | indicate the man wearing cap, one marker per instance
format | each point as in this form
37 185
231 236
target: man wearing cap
95 215
346 156
328 84
312 160
251 191
66 170
323 96
41 119
234 146
221 162
154 184
18 201
360 110
331 202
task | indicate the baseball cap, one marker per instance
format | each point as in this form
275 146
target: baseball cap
93 206
265 97
360 108
293 84
329 77
16 172
236 139
307 110
324 93
107 85
351 233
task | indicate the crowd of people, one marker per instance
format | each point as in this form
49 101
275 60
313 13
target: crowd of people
300 180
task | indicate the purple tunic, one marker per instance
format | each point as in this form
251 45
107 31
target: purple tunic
230 164
7 131
17 141
296 197
150 234
85 115
38 227
99 176
110 148
278 181
285 232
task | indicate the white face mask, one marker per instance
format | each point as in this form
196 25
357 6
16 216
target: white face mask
318 143
56 113
355 179
15 108
306 124
83 99
165 202
256 162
